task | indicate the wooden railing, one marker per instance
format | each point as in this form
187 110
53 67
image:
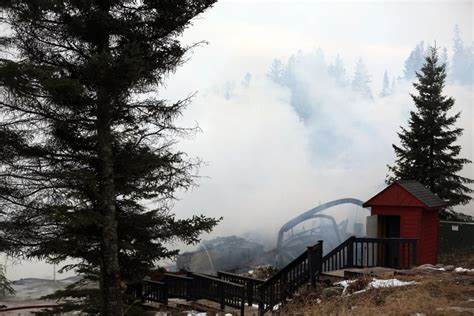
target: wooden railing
195 286
250 284
304 270
340 257
179 286
153 291
371 252
233 290
148 291
217 290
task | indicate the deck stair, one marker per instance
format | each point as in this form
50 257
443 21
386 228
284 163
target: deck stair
227 290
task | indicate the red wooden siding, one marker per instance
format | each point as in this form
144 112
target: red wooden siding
429 237
410 218
394 195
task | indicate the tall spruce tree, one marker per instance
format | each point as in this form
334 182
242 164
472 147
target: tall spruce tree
277 72
338 71
386 86
414 62
88 168
361 80
428 151
462 67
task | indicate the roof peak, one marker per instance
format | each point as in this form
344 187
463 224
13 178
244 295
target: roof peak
422 193
415 189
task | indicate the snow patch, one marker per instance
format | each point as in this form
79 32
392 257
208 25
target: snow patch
375 284
437 269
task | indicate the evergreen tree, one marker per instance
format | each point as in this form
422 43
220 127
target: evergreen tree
428 152
338 71
316 62
463 60
444 59
414 62
361 80
386 86
393 87
459 58
88 168
277 72
5 284
292 78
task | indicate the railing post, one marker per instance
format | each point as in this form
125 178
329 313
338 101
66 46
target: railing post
190 295
242 301
320 259
142 292
249 291
261 308
315 263
220 290
311 267
350 253
165 294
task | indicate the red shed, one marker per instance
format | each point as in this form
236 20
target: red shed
406 209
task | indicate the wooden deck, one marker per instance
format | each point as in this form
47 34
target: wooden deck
374 272
351 273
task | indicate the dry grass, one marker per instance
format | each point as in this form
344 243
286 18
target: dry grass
458 259
434 294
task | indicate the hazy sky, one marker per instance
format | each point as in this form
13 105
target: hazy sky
259 163
246 35
261 169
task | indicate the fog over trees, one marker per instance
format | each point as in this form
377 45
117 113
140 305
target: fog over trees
302 68
462 63
386 89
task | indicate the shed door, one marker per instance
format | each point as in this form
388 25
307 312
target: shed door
391 229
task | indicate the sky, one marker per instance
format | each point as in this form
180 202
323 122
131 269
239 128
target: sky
263 164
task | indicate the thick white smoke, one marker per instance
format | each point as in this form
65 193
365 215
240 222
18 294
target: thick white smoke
265 165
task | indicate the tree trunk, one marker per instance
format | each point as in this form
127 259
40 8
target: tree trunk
110 269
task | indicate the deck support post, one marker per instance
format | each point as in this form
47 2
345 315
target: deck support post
315 262
220 289
350 254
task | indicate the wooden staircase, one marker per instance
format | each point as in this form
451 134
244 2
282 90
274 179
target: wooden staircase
231 290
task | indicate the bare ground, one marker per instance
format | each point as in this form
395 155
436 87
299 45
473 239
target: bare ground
436 293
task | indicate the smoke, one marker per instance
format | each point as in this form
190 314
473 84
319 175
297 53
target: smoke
266 165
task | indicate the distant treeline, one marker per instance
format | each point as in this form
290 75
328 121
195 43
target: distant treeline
302 69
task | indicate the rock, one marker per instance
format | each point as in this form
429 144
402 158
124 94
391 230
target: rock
461 270
331 292
449 267
439 265
426 266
